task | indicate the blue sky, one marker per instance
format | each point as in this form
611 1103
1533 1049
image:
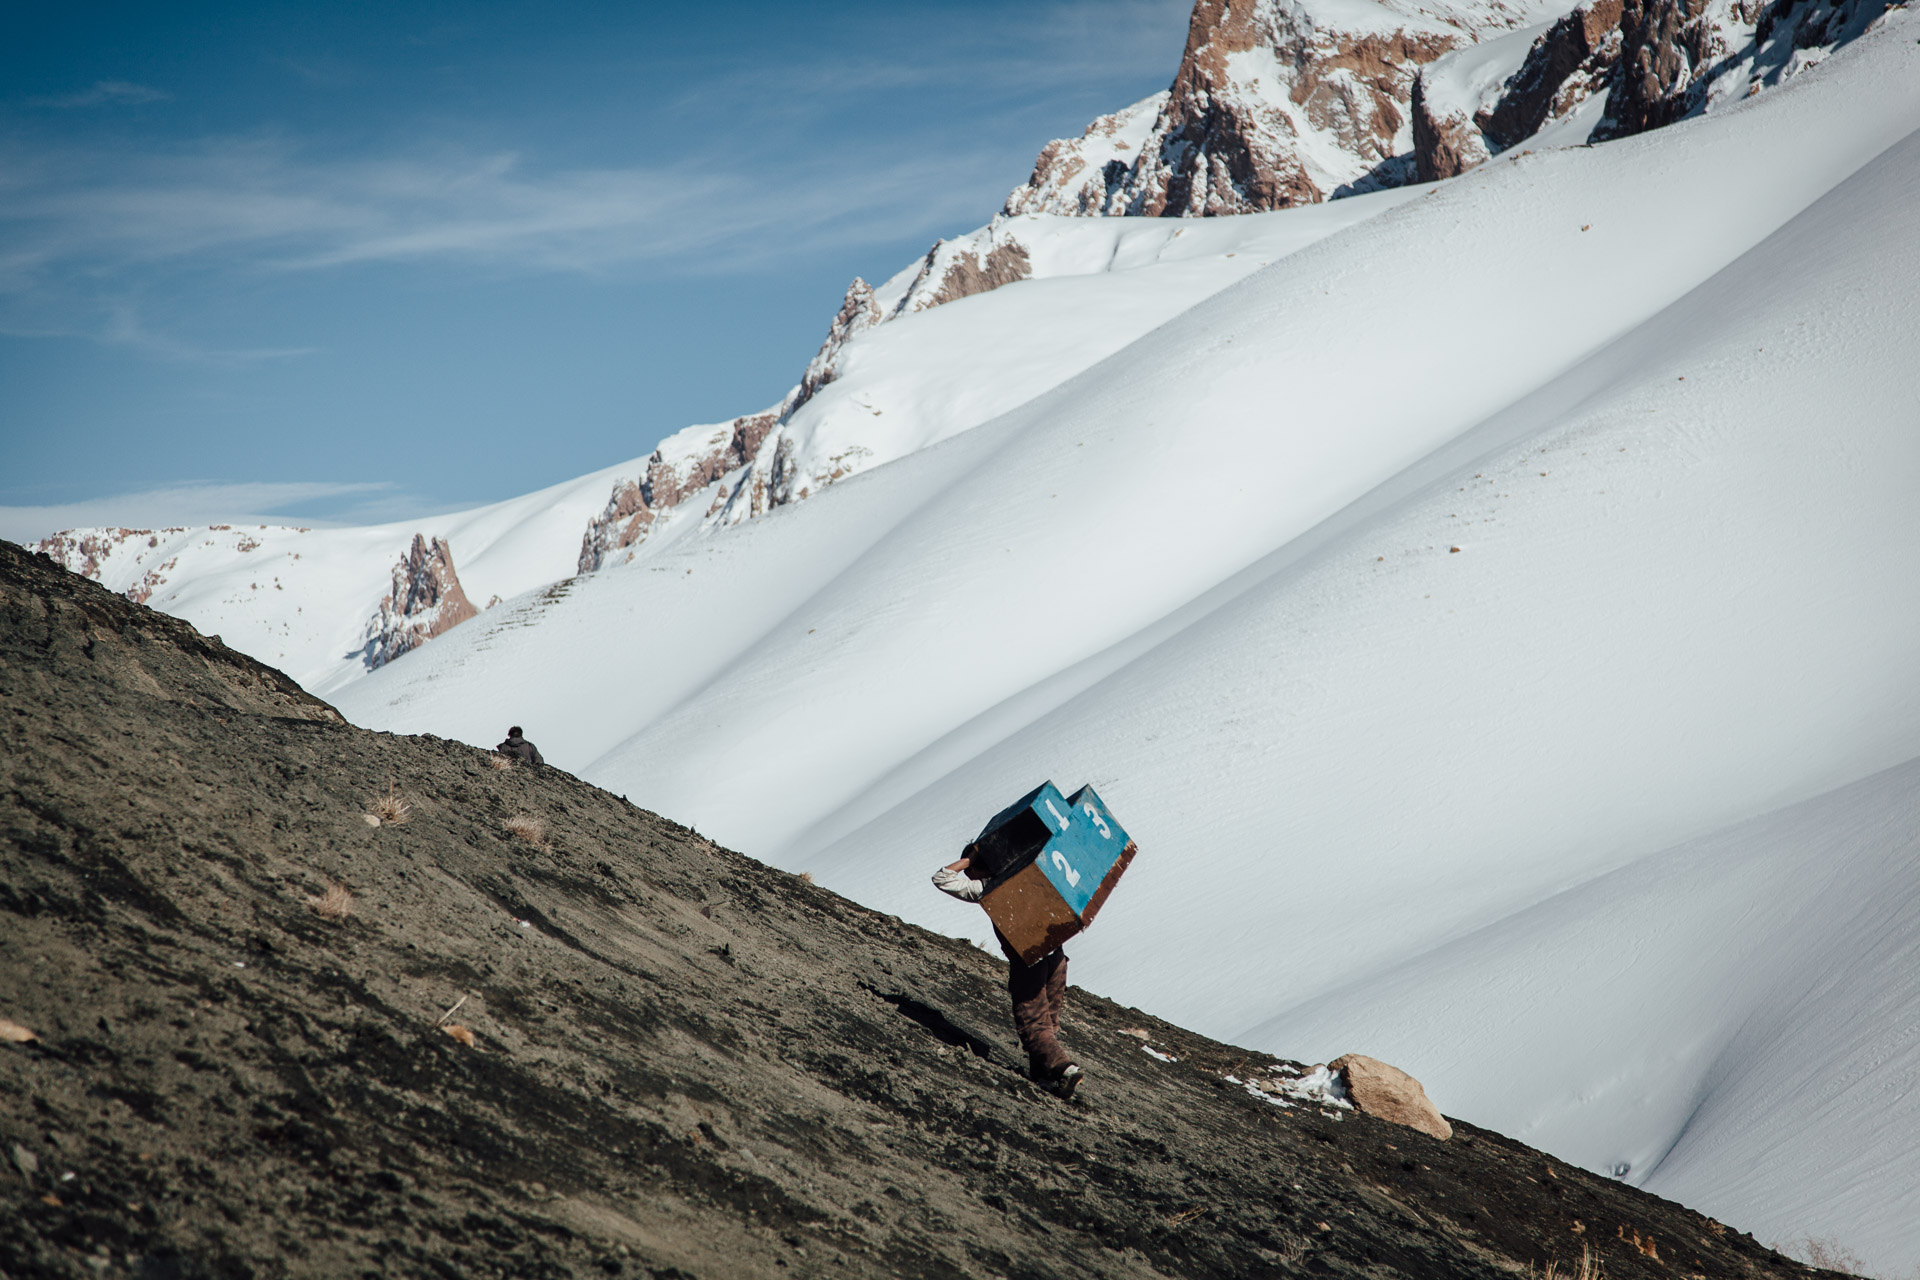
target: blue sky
362 260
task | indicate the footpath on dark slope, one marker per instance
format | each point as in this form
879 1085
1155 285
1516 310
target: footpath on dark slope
681 1062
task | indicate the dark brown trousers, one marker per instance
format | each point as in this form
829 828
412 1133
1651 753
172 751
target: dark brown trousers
1039 990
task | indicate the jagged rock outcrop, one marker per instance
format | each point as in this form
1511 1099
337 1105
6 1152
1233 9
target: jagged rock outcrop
426 600
1078 175
1570 62
956 269
1445 141
858 313
754 459
1276 103
1642 64
684 464
1667 48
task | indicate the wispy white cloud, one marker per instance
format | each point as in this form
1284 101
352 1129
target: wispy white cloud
209 503
125 327
265 205
1044 48
105 93
84 235
87 225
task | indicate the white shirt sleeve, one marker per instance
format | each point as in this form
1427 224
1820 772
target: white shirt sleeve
959 884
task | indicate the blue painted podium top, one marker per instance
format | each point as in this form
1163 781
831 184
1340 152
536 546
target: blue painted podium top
1085 842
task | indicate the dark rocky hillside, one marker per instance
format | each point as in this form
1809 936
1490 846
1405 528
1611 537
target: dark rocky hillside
662 1059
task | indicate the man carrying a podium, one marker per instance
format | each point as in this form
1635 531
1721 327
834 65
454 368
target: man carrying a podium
1041 868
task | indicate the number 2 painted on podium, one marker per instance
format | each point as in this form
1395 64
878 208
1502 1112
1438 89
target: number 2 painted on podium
1066 869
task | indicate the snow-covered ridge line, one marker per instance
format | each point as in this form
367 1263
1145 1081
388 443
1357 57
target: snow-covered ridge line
424 599
1275 102
933 351
327 605
715 476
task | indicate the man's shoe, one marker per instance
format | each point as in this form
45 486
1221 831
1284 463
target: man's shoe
1063 1085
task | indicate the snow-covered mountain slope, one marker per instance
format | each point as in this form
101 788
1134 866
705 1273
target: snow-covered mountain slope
325 604
1653 391
1728 1023
936 376
320 603
1045 297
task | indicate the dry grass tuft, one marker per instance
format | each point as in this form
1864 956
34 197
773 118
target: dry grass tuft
1290 1247
459 1033
806 877
390 808
524 826
499 762
335 904
14 1033
1588 1268
1825 1252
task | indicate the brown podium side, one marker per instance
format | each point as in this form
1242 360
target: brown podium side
1031 915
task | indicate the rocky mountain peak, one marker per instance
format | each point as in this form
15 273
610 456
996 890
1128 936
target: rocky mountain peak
426 600
858 313
1275 103
1077 175
1614 68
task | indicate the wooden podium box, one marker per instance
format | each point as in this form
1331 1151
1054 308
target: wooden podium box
1049 862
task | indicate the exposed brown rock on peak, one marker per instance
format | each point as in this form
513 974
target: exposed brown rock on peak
735 452
1445 145
858 313
970 274
1568 62
1653 62
426 601
1274 104
1666 45
670 478
1076 176
81 550
1213 156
